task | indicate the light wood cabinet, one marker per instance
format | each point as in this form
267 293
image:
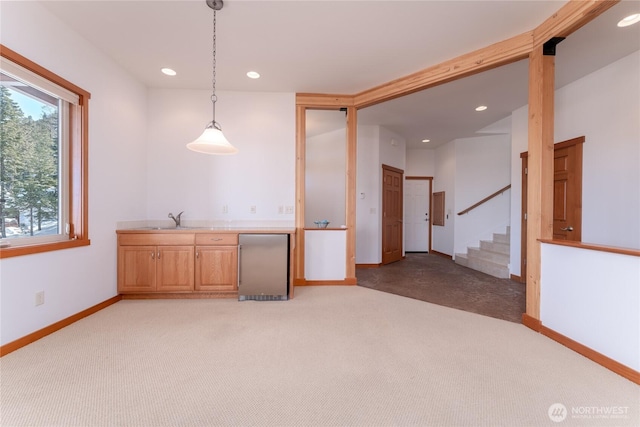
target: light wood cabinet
216 262
178 263
155 263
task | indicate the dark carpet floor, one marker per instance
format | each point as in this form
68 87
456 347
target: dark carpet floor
439 280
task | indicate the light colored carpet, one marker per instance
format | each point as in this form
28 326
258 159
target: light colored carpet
333 356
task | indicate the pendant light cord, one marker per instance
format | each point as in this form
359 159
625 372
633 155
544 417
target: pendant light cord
214 98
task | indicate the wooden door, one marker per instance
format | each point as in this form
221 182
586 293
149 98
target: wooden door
417 197
136 268
567 191
567 195
174 268
392 214
216 268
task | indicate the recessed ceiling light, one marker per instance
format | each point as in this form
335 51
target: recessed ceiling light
169 72
481 108
253 75
629 20
426 140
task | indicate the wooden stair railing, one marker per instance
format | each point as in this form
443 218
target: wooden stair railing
486 199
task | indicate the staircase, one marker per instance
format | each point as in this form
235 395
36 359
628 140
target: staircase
492 257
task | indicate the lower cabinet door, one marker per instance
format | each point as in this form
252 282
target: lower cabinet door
174 268
216 268
136 269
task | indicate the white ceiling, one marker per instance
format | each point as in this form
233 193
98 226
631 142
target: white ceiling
324 46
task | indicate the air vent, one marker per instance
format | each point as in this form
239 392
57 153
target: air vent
263 297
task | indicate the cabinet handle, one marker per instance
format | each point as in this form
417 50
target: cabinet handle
216 239
197 255
158 254
153 255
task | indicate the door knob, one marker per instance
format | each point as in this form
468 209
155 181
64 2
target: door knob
569 228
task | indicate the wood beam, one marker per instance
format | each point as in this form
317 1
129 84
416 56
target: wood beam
321 101
493 56
573 15
540 169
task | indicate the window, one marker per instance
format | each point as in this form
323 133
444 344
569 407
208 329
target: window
438 208
43 159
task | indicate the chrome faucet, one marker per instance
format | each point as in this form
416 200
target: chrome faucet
176 218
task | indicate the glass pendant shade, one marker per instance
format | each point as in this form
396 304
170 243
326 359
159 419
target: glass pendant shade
212 141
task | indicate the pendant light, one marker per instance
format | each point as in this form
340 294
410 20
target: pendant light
212 141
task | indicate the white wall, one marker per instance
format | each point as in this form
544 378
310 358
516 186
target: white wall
376 146
325 178
260 125
483 166
519 144
75 279
368 179
445 180
420 162
392 149
605 107
593 298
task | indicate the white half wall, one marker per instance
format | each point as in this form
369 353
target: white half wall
325 254
76 279
593 298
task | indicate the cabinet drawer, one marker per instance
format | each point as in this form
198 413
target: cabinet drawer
156 239
216 239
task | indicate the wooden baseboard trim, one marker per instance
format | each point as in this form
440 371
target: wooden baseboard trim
517 278
182 295
349 281
531 322
368 265
441 254
35 336
601 359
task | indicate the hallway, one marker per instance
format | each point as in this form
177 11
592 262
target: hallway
439 280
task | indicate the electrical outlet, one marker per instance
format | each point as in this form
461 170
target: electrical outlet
39 298
253 209
280 210
289 210
225 209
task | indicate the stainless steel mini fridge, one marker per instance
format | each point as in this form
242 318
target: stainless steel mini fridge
263 267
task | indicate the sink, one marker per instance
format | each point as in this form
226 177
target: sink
168 228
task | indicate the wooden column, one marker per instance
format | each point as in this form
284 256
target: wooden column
540 173
352 143
298 268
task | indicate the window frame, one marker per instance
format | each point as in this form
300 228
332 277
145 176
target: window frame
78 162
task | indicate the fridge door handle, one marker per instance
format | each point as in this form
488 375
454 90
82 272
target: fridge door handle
239 261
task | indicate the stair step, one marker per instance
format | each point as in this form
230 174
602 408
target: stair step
462 259
501 238
495 257
487 267
502 248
